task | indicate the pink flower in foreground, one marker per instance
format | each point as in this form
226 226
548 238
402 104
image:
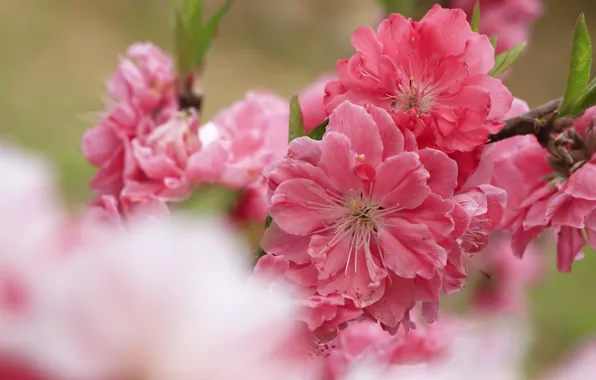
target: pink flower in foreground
551 190
490 349
509 20
367 341
357 215
243 139
506 289
430 75
94 302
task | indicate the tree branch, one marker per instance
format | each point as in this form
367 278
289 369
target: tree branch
542 121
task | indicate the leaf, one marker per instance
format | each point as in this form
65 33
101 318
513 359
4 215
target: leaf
318 132
296 119
268 221
586 100
580 66
475 23
207 33
493 41
183 45
195 17
504 60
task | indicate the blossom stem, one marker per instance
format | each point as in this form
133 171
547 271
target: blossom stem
541 121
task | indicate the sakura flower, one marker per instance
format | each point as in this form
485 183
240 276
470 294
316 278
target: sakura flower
509 20
430 75
142 97
164 154
244 138
357 215
551 189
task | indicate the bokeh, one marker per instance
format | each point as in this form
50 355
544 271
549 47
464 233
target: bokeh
57 54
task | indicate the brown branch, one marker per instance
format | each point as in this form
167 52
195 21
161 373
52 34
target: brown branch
542 121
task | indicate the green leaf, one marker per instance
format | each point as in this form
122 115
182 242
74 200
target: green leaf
296 119
586 100
318 132
195 17
183 45
580 66
493 41
475 23
504 60
207 33
268 221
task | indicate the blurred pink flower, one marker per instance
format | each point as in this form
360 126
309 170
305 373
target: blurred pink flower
366 340
83 301
357 215
142 97
243 139
510 20
506 289
431 75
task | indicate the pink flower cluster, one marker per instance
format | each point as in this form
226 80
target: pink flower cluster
150 153
431 76
381 214
509 20
365 215
551 189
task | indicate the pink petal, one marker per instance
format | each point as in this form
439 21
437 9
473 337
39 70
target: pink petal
442 170
337 160
360 128
401 180
570 242
293 207
305 149
500 97
277 242
582 183
391 136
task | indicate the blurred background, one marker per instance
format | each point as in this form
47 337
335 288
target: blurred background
57 54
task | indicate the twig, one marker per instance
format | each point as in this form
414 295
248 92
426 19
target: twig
542 121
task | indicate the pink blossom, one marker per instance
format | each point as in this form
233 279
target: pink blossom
506 289
142 97
510 20
244 138
489 349
548 191
312 102
366 340
82 301
430 75
357 215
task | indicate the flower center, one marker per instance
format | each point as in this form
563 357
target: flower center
359 223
